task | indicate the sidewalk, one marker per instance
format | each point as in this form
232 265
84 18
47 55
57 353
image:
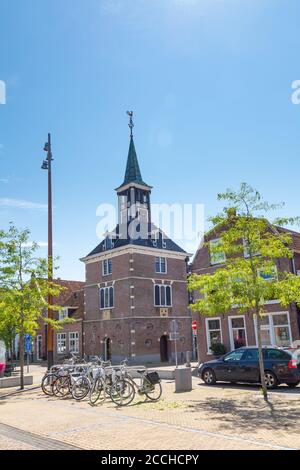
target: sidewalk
219 417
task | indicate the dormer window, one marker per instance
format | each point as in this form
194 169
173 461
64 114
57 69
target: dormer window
108 243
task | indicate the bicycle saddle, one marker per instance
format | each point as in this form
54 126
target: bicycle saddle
140 371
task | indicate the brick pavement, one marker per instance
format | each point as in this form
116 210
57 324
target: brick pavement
220 417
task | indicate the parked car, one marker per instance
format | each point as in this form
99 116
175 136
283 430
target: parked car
241 365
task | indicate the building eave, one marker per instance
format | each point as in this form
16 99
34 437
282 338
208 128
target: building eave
125 186
135 249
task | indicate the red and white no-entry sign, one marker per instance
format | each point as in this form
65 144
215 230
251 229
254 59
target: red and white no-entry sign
194 325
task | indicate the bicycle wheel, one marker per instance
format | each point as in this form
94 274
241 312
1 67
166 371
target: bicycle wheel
122 392
62 386
80 388
97 392
48 383
153 391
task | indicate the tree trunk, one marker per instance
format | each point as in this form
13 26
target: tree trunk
21 347
260 357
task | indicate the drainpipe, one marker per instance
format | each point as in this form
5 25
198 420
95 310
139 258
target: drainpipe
293 263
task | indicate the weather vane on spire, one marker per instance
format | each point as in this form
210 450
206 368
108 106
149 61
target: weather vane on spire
131 125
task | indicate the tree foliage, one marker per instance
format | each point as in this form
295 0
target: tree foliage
24 286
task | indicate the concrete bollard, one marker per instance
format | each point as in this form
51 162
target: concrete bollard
188 359
183 379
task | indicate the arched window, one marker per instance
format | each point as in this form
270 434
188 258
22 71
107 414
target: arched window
162 295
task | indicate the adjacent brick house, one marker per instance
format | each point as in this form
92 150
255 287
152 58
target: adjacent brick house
135 285
281 325
69 338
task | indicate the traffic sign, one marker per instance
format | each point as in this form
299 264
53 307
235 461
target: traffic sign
173 336
174 326
27 343
194 325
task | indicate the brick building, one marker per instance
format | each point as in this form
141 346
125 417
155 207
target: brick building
281 326
136 283
69 338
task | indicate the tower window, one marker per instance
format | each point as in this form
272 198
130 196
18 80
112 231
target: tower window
106 267
107 297
162 295
160 265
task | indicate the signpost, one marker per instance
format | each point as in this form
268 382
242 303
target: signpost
27 349
174 336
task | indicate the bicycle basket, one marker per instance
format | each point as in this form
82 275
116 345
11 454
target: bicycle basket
153 378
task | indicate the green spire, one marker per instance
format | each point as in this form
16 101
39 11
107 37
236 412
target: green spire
133 173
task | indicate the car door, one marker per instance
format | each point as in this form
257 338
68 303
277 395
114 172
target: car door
228 367
248 369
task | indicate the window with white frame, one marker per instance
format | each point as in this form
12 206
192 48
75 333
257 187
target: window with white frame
162 295
61 343
213 332
63 313
160 264
268 275
106 297
74 342
247 251
216 256
237 331
276 329
106 267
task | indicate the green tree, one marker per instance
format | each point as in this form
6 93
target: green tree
24 288
246 283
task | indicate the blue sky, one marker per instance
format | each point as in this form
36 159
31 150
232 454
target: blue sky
209 82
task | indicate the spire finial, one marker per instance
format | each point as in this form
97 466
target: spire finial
131 125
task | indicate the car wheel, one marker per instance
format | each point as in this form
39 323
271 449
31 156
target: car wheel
209 377
293 385
270 379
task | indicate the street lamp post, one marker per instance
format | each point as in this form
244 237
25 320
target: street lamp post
47 166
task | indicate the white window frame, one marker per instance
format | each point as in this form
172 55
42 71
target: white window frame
271 326
231 329
207 330
107 261
63 313
171 295
275 278
246 252
106 288
219 261
75 339
59 339
160 265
